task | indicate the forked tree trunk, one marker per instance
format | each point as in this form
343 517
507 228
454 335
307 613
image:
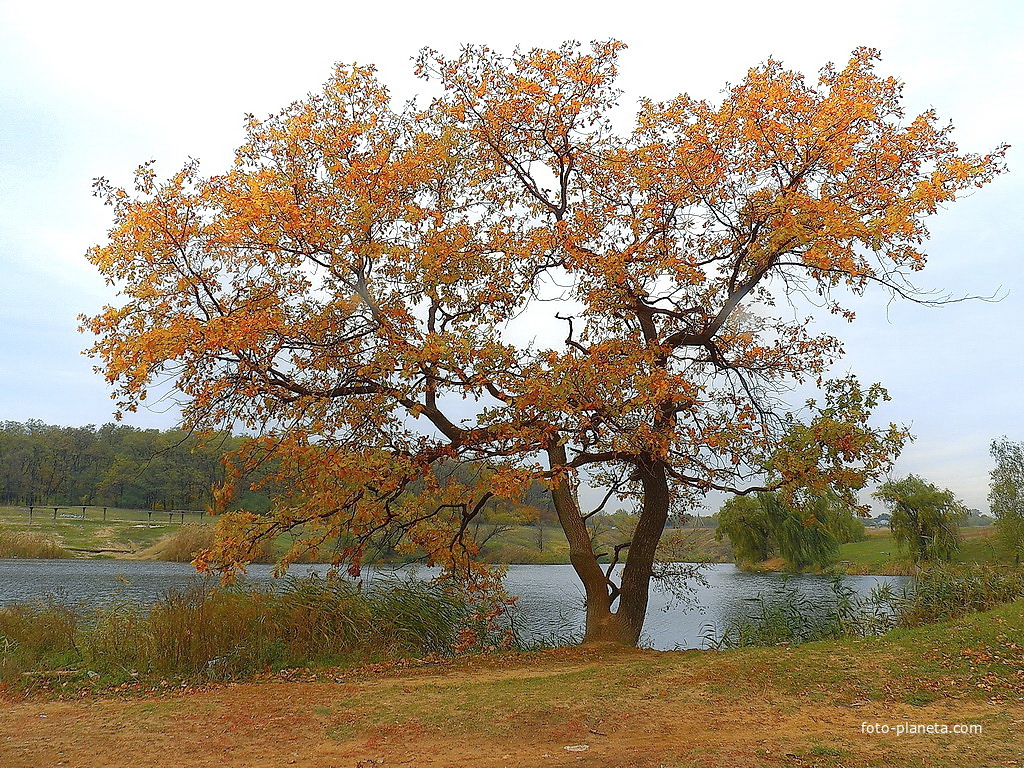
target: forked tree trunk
624 624
636 574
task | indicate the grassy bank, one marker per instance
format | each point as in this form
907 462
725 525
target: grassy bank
212 633
154 684
878 554
939 593
93 532
807 706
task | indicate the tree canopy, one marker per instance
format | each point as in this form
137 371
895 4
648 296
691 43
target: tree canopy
499 276
113 465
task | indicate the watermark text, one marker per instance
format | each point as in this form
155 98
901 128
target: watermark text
907 729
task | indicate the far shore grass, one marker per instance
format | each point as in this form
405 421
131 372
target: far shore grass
157 535
84 533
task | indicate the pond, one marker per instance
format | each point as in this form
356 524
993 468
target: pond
550 596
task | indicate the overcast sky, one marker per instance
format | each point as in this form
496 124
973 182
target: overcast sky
90 89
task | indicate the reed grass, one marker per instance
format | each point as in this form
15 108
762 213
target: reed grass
946 592
37 546
38 636
939 593
222 633
184 544
793 618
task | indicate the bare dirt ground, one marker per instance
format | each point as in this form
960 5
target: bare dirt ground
562 708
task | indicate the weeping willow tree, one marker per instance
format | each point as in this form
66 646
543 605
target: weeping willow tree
925 519
805 533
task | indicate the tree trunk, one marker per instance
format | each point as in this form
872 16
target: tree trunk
636 575
603 624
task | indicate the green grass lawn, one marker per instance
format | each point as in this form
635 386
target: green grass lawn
522 544
879 553
980 545
874 555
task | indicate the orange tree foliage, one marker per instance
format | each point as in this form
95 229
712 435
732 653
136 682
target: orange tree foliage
500 277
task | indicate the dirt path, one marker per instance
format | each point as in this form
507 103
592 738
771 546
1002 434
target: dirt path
625 708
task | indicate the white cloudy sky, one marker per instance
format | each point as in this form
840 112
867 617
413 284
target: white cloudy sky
89 89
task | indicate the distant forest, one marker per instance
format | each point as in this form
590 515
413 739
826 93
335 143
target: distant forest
113 465
120 466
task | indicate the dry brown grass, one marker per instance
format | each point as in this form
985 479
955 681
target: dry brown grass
189 540
38 546
183 545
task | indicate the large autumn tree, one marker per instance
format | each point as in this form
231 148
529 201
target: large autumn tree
499 277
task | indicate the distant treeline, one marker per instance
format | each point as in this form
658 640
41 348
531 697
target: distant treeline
113 465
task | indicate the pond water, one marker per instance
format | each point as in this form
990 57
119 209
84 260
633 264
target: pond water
550 596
